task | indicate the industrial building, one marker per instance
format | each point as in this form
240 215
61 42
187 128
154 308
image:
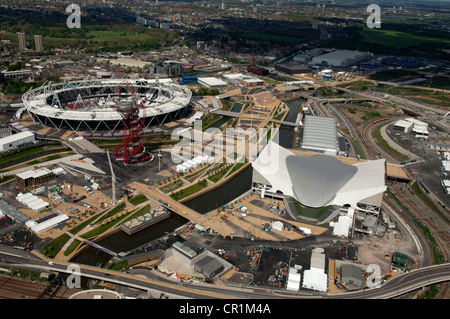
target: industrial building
35 177
292 68
418 128
399 260
319 135
185 262
257 70
16 140
12 212
209 267
251 82
352 275
318 180
340 58
212 83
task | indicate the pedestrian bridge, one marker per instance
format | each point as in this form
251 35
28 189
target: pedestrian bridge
226 113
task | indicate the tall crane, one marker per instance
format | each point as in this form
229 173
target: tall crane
113 181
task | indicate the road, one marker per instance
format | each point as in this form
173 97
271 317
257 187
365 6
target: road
396 286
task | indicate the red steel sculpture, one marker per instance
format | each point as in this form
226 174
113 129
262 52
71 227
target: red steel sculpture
131 150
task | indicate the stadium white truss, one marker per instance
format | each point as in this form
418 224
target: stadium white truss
87 105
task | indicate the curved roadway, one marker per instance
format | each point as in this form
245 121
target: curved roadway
396 286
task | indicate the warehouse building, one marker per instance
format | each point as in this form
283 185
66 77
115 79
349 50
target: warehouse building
320 135
212 83
208 267
340 58
418 128
352 275
16 140
32 202
403 126
292 68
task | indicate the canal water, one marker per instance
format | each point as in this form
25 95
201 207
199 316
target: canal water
235 187
121 242
286 133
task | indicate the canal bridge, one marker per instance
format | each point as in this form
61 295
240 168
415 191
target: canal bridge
102 248
168 202
226 113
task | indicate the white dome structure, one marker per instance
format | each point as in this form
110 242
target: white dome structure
319 180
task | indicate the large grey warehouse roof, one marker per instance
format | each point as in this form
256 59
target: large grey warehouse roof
209 266
319 134
321 178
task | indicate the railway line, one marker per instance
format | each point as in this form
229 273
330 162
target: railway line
370 144
420 210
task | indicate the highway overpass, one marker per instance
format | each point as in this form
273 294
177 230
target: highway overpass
396 286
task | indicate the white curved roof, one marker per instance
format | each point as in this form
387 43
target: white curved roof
319 180
319 134
36 100
325 175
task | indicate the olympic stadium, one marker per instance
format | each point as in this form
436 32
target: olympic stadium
90 105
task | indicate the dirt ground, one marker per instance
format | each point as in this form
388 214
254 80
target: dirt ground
251 224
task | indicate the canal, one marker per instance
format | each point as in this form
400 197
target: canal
286 133
235 187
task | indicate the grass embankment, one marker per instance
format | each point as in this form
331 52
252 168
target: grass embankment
52 248
101 229
384 144
138 199
427 200
188 191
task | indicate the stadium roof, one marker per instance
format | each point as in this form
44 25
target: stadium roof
325 175
319 134
319 180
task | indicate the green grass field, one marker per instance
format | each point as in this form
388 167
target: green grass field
92 36
396 39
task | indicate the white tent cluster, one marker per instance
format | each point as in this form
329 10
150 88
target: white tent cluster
294 278
32 201
316 278
446 161
344 223
193 163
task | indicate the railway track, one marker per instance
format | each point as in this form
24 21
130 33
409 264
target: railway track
369 143
420 210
